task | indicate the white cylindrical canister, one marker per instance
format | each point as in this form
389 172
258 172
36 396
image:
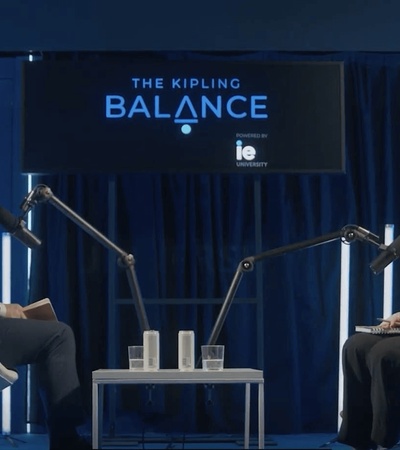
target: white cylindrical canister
186 350
151 350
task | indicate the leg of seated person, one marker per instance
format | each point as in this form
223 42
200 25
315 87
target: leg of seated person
371 366
50 345
384 365
356 426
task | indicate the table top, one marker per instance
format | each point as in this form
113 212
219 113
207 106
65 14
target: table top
176 376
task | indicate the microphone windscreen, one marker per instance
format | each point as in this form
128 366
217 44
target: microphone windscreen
8 220
386 257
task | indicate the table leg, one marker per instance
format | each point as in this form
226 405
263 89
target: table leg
247 417
100 415
260 415
95 415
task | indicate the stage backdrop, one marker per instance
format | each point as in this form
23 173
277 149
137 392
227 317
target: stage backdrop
188 233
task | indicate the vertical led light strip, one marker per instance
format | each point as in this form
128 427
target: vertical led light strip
29 225
6 298
344 316
388 276
29 259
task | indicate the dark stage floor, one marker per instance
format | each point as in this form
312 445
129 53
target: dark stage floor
160 441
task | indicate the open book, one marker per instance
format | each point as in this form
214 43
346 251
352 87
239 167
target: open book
376 330
41 310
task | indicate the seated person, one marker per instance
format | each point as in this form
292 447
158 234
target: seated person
371 403
50 346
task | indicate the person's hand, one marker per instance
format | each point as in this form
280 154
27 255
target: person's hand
392 321
14 311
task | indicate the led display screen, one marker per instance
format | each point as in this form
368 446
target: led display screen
182 116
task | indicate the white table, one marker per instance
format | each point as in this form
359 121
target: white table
174 376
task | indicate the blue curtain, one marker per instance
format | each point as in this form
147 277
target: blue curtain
189 232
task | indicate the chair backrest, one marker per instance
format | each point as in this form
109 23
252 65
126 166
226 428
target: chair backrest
7 377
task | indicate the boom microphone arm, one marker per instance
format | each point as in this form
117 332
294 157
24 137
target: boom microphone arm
347 234
43 193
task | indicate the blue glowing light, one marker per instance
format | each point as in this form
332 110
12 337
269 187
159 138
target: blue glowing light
186 129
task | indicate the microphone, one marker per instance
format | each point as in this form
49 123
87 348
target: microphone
16 227
388 255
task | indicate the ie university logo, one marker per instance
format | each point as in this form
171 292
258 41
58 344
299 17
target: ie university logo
247 153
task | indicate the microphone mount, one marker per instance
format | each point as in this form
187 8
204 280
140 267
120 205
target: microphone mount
42 193
347 235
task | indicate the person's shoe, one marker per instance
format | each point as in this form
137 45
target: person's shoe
82 444
368 447
78 443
